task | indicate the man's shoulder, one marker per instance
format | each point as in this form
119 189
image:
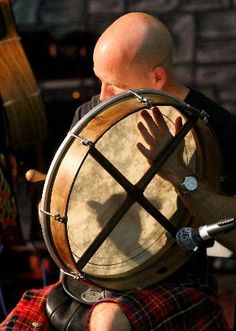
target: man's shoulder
83 109
199 99
216 112
93 102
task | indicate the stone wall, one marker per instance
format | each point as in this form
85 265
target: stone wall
205 39
204 32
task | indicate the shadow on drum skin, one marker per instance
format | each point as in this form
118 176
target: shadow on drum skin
127 231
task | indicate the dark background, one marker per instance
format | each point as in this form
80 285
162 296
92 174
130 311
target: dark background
58 37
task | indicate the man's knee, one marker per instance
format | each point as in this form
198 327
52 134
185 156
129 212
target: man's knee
107 316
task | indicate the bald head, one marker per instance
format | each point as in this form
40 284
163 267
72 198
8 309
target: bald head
134 52
136 38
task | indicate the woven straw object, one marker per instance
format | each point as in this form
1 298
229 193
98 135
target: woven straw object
24 111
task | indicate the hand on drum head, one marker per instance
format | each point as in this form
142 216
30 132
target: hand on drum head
157 135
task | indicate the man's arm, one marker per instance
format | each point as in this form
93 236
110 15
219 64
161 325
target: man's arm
206 205
210 207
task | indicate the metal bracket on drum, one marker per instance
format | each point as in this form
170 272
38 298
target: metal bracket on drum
141 99
204 116
83 141
57 217
77 275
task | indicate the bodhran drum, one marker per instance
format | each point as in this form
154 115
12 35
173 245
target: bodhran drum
106 214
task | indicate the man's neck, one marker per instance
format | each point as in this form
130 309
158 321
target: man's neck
172 86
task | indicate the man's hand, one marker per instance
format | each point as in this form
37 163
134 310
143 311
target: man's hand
156 135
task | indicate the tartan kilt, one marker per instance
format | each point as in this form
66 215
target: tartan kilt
174 305
181 305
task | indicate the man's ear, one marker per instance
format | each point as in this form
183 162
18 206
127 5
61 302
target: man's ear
160 77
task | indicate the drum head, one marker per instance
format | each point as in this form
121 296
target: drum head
105 230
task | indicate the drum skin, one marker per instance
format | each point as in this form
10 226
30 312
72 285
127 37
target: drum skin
107 216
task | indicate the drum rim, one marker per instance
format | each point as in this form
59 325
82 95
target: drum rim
65 144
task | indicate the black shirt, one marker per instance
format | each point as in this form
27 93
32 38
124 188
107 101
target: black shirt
223 124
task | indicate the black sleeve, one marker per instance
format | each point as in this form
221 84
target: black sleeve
223 124
84 109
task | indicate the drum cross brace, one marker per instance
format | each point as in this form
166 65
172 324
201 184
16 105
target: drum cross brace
134 192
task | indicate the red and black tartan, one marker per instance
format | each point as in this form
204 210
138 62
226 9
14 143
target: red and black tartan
29 314
169 306
174 305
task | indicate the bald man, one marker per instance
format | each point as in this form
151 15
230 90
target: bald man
136 52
